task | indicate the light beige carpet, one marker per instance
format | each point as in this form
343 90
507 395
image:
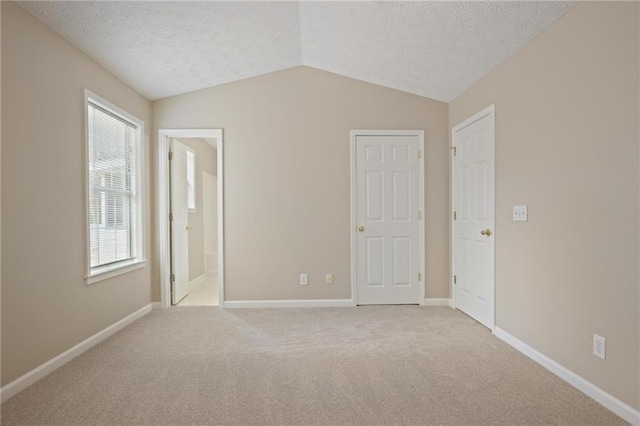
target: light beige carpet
367 365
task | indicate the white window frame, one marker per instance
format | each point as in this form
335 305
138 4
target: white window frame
191 182
94 275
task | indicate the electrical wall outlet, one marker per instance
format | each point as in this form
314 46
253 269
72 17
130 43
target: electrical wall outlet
520 213
328 278
599 346
303 279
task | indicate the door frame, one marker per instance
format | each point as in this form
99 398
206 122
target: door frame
421 227
163 206
488 111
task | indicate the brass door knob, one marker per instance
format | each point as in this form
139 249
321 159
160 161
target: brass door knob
486 232
361 228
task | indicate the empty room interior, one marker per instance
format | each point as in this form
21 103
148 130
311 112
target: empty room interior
311 212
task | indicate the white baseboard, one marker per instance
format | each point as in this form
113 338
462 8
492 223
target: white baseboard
53 364
623 410
436 302
312 303
156 305
196 281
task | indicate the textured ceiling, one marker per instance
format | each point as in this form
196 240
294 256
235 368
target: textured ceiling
432 49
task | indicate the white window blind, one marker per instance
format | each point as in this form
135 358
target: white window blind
113 174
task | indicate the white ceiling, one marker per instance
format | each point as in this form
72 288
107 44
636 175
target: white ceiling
432 49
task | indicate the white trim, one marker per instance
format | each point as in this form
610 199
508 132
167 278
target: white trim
98 275
53 364
623 410
196 281
354 219
436 302
312 303
421 204
156 305
421 222
490 110
123 268
452 209
163 205
475 117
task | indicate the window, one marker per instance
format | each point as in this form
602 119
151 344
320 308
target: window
191 180
114 154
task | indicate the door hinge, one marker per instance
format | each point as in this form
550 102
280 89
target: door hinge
419 215
170 217
170 155
419 276
455 215
455 151
172 278
455 279
419 154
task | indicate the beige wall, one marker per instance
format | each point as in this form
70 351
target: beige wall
286 157
567 145
205 162
46 306
0 181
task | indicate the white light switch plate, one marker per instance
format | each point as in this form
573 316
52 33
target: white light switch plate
520 213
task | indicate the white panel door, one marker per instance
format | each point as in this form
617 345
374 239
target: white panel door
387 209
179 224
473 225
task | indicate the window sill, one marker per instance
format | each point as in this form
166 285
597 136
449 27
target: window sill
106 273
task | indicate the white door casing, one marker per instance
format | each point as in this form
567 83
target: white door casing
210 228
473 246
163 205
387 227
180 223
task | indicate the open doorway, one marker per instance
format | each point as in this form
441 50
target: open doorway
190 220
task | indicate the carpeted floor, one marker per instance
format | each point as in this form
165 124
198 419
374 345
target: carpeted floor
369 365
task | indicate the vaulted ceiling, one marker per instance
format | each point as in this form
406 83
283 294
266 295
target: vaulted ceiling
432 49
